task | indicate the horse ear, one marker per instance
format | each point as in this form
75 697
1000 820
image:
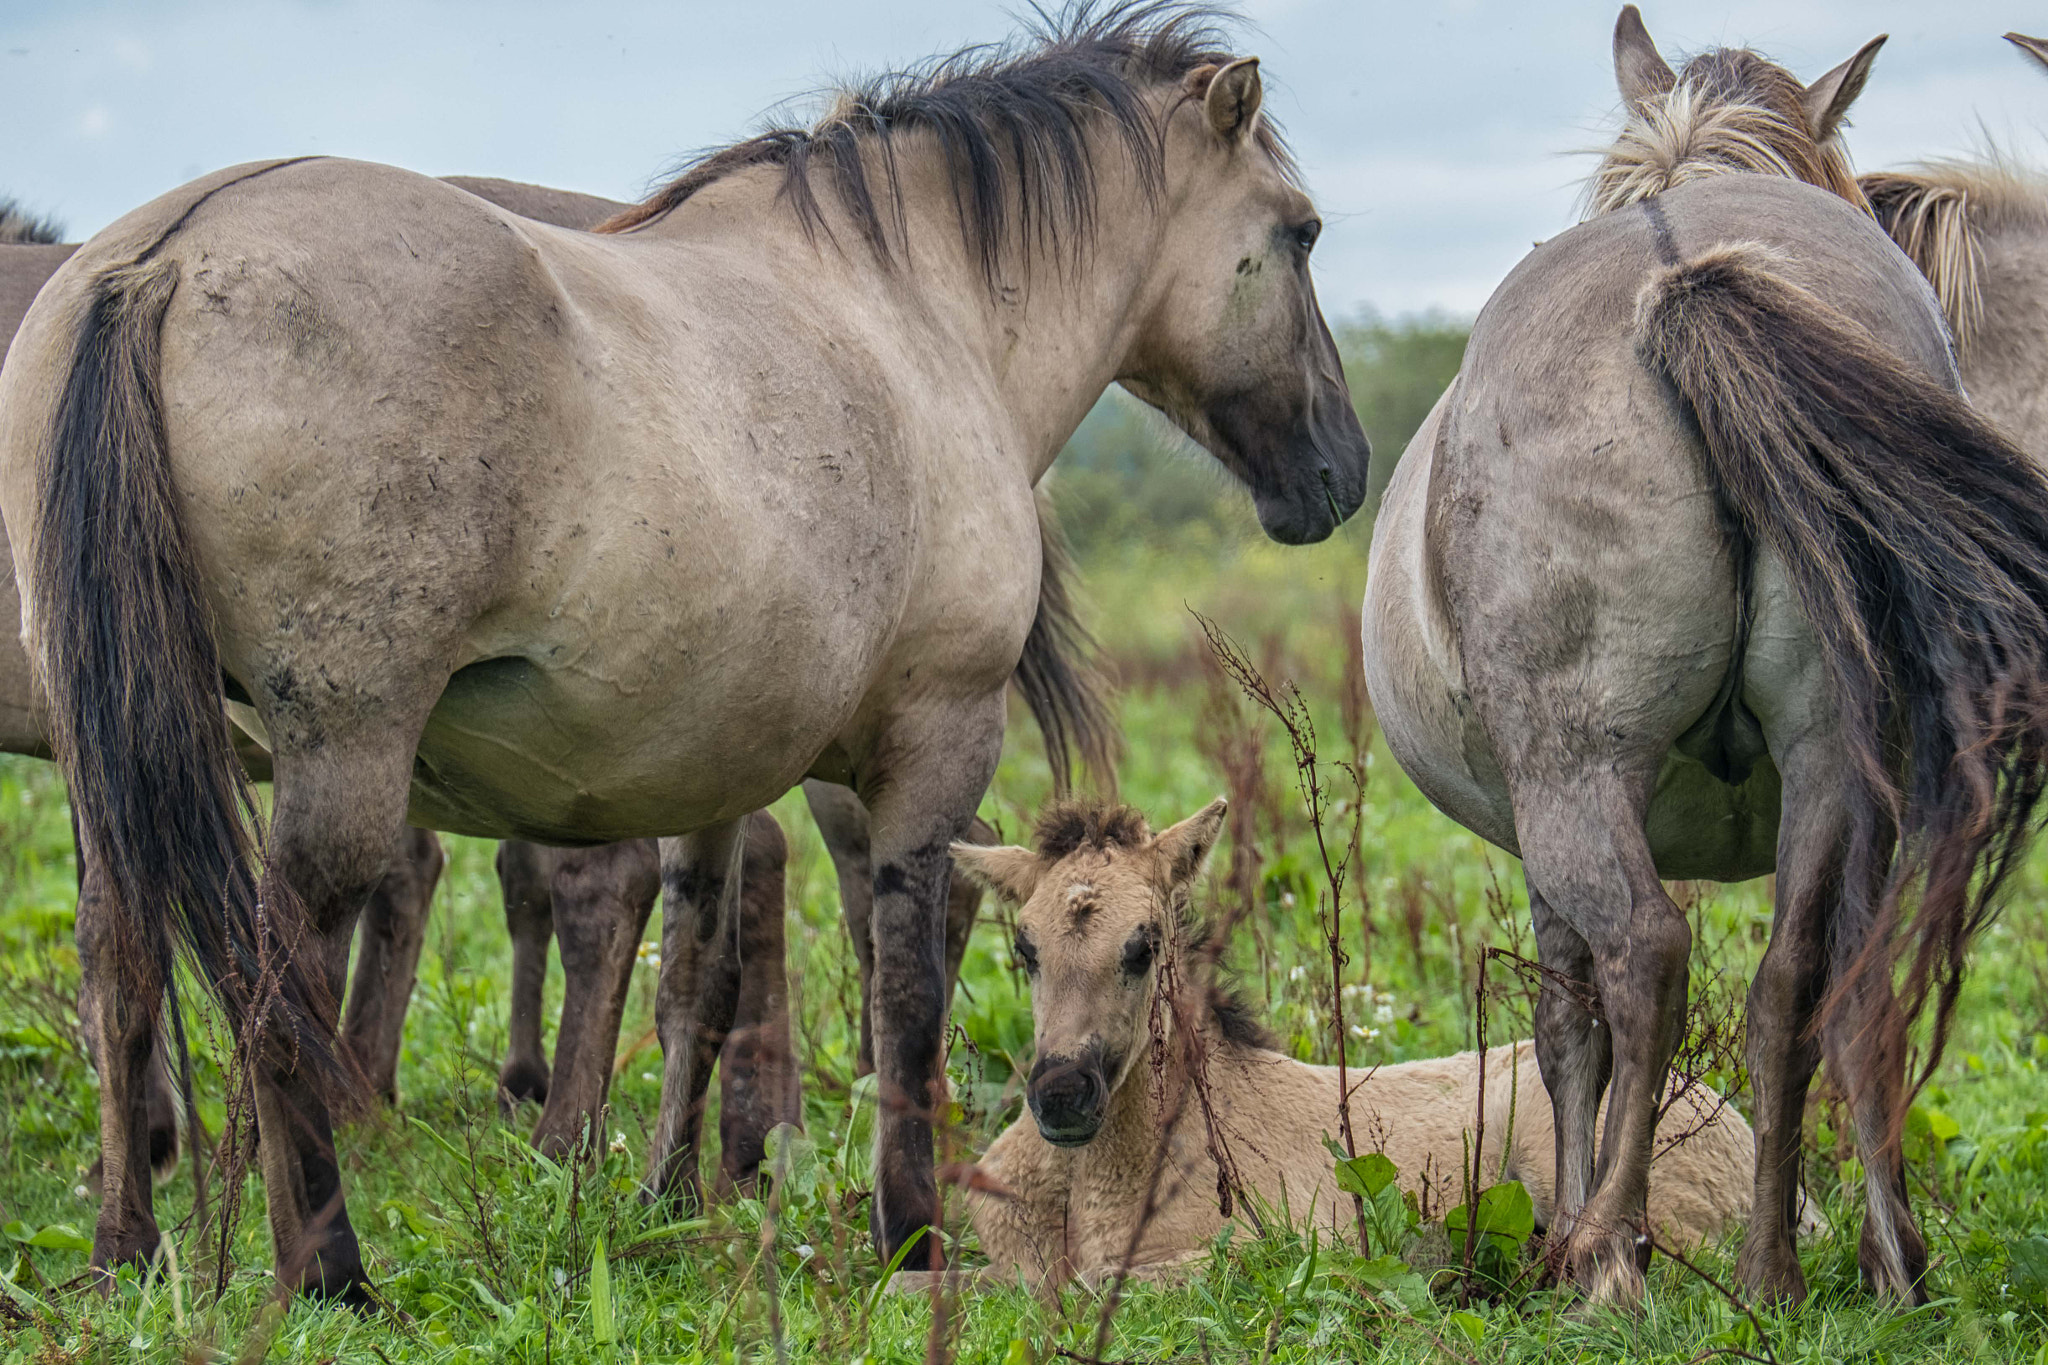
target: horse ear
1186 845
1642 74
2037 48
1829 98
1009 871
1233 98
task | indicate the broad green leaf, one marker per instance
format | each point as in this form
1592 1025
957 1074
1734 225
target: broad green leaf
1365 1175
601 1329
61 1237
1471 1324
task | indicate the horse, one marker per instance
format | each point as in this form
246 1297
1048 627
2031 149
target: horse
1704 568
1978 228
601 896
581 538
1103 928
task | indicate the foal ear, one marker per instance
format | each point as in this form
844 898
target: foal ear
1186 846
2037 48
1009 871
1641 73
1232 102
1829 98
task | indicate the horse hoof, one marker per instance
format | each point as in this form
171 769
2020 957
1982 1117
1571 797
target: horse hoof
520 1082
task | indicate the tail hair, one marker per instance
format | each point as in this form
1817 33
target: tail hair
126 644
1060 676
1915 536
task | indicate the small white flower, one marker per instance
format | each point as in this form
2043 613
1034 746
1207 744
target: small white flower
1287 899
1384 1014
618 1142
804 1251
81 1191
1297 973
561 1278
1358 1031
647 1075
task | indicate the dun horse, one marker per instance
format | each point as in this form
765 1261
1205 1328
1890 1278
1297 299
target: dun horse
600 897
586 538
1103 925
1978 228
1703 568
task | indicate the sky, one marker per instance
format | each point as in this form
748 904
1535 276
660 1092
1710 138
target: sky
1438 136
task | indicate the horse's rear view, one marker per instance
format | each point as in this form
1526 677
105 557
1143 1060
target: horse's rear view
1702 524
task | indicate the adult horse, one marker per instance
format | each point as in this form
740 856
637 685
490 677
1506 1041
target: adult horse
584 538
600 896
1703 568
1978 228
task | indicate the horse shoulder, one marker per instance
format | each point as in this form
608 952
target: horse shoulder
2005 368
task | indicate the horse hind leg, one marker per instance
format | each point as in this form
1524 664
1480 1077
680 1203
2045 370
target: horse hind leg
601 897
1864 1038
525 879
1783 996
758 1086
1573 1054
394 928
1586 855
119 1000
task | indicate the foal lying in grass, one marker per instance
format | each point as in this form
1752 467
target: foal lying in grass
1105 935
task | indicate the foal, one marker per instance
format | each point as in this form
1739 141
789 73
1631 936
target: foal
1104 932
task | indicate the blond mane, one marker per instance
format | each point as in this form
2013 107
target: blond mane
1938 212
1731 111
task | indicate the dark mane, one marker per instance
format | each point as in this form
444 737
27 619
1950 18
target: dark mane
1066 827
1010 121
19 227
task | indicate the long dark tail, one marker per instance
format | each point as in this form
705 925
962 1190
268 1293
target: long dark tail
134 679
1916 538
1058 676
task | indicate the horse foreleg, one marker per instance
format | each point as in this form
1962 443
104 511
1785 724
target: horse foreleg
1783 996
119 999
394 927
602 897
698 995
843 821
524 880
758 1087
1574 1056
937 770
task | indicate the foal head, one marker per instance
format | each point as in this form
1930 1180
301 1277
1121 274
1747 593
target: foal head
1100 898
1728 109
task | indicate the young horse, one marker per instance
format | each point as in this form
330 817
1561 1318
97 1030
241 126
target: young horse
585 538
1103 916
1978 229
1702 530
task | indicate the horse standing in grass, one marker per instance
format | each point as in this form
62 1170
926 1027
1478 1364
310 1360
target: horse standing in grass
585 538
1703 568
1978 228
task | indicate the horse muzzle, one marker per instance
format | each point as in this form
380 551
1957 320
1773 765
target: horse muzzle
1069 1096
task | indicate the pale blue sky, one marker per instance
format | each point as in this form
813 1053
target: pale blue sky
1434 134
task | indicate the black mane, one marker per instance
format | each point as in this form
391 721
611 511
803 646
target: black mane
19 227
1010 121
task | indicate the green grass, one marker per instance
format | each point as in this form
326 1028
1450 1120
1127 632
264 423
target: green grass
494 1254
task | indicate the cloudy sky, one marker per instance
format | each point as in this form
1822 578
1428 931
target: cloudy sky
1437 134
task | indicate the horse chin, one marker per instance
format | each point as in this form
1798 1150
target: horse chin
1069 1137
1296 521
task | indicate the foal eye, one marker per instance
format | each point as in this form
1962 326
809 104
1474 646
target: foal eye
1026 954
1138 955
1305 236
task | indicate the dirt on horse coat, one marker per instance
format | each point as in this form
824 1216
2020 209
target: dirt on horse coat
582 538
1701 518
1103 906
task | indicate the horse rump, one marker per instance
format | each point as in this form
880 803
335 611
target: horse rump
126 650
1915 537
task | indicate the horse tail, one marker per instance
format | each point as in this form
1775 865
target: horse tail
125 639
1058 675
1915 537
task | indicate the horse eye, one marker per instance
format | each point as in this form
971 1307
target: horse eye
1138 955
1305 236
1026 954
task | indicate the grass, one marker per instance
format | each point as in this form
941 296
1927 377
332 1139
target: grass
493 1253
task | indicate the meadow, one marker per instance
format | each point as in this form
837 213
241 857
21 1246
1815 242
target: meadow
486 1251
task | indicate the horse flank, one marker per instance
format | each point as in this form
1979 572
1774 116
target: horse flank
1731 110
1939 212
1009 122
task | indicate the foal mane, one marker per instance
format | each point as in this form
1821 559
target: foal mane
1732 110
1010 122
1938 213
19 227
